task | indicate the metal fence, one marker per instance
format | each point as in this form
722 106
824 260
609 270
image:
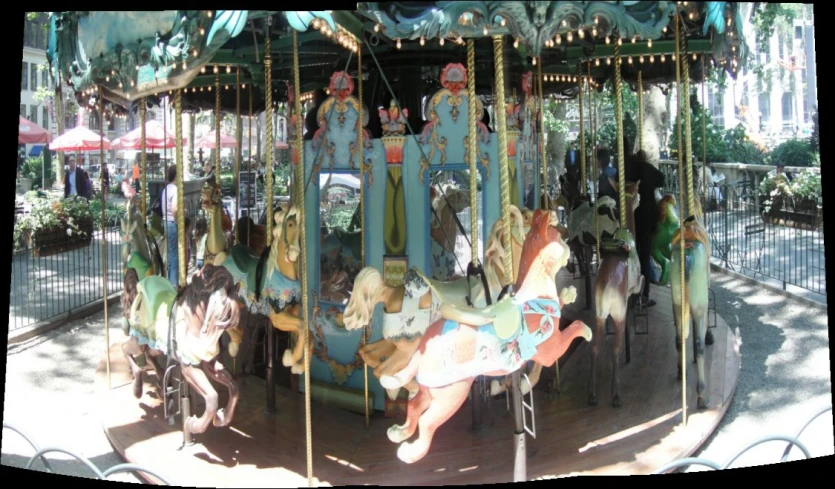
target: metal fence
47 287
749 236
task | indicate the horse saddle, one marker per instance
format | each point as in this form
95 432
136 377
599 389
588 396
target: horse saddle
157 291
504 316
454 292
613 246
140 264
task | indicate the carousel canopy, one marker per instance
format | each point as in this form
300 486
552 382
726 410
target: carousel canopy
135 54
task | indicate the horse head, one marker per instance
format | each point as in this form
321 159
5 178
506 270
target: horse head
212 300
286 233
211 195
494 253
667 210
543 254
694 233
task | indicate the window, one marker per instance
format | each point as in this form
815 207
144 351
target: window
45 118
33 113
787 106
33 69
24 76
717 109
765 107
44 76
798 32
23 110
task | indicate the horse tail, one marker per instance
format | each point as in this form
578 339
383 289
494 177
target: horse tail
369 290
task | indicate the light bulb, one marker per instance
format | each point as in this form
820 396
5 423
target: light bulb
243 85
534 61
608 40
673 57
422 41
664 30
203 70
564 23
516 43
630 60
545 78
569 36
581 33
649 43
634 39
694 56
559 39
596 20
485 30
228 69
594 31
663 58
504 22
184 65
641 59
620 41
398 44
107 78
652 58
227 87
209 13
441 41
596 61
377 28
608 61
202 31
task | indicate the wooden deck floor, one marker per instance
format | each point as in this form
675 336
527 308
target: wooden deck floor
571 437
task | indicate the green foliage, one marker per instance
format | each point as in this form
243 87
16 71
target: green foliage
717 147
807 185
33 168
814 138
794 152
48 214
741 150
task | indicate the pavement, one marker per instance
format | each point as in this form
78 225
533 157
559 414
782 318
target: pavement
784 378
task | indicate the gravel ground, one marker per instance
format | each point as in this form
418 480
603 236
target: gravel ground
785 377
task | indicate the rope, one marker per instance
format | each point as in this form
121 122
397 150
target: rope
584 187
473 150
181 205
302 245
619 117
681 231
543 154
640 111
361 136
104 230
504 170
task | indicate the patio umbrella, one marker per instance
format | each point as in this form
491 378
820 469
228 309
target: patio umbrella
79 138
155 138
31 133
208 141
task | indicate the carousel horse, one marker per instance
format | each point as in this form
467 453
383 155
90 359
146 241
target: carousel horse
270 283
217 241
668 225
494 341
696 284
618 278
410 308
187 328
447 202
257 235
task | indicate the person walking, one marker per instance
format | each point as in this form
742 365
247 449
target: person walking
76 180
638 169
170 210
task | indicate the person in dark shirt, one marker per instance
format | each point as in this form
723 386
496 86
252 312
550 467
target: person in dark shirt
646 215
607 171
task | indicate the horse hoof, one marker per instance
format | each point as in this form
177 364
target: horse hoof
297 368
397 434
709 337
405 453
703 402
616 401
220 420
592 399
287 359
393 393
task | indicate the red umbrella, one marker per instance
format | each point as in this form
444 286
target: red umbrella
78 138
155 138
31 133
208 141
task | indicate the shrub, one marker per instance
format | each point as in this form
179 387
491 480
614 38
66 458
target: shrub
793 153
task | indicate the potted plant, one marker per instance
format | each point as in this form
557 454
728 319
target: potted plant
30 173
56 226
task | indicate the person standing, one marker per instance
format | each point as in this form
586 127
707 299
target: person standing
170 210
604 187
572 156
638 169
136 175
76 180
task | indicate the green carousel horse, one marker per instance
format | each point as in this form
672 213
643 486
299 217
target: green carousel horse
187 327
270 285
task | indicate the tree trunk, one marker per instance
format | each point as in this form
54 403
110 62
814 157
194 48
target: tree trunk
655 121
59 115
556 147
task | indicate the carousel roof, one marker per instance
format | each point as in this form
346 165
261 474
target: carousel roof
138 54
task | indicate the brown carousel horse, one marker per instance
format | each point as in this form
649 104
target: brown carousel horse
218 241
188 327
494 341
618 278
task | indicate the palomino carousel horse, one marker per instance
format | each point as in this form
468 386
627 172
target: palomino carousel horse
188 328
495 341
696 283
447 202
270 283
217 241
412 307
618 278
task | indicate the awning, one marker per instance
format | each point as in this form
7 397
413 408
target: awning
36 150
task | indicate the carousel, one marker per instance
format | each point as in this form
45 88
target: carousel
404 317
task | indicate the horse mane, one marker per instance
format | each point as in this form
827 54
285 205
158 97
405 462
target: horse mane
540 236
281 215
494 252
211 279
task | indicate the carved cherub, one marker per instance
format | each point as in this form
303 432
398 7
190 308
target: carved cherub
393 121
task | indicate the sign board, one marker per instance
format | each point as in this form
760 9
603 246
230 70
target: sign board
248 188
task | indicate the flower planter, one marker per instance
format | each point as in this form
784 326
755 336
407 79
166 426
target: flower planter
51 241
799 214
25 184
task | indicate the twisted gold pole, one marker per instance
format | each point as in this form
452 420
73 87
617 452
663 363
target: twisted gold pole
268 97
252 180
704 134
361 139
541 146
596 167
181 203
473 149
688 164
504 170
142 115
218 117
640 111
239 134
679 74
301 212
104 232
584 186
621 149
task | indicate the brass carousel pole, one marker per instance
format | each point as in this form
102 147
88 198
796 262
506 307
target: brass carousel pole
520 462
142 111
542 153
584 184
597 169
621 159
104 231
679 54
252 180
239 134
302 245
704 135
218 117
268 108
181 240
361 141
